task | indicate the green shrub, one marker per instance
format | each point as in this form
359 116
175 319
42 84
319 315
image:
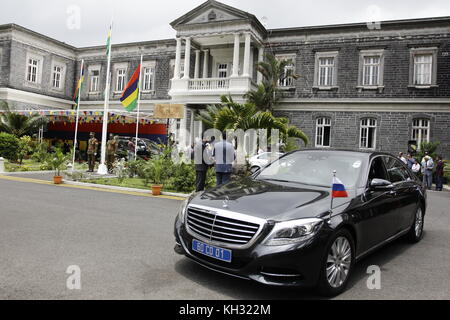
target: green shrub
430 147
24 148
40 153
9 145
183 178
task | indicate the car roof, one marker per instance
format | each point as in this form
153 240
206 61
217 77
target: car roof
369 153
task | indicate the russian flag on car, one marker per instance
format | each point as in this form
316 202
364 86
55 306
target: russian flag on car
338 189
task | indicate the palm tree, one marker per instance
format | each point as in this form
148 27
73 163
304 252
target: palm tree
232 116
274 72
19 125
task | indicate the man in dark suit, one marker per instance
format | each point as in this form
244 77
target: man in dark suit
201 167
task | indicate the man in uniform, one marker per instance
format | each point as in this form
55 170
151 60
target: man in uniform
92 151
111 149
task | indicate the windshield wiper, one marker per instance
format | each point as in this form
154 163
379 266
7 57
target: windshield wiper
296 182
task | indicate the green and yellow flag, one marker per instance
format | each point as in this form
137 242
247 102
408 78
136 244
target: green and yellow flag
108 42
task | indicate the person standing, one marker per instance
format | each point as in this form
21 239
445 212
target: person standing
427 170
416 168
131 149
439 173
92 151
201 167
111 149
409 160
402 157
224 156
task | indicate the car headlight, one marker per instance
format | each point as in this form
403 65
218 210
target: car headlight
183 209
295 231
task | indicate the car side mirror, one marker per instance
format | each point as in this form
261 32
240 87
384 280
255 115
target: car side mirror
380 185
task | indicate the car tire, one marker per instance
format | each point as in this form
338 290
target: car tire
415 234
328 285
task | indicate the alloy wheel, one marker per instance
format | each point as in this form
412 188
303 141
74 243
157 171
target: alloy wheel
339 262
419 223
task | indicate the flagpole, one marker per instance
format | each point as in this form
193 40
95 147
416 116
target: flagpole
138 108
102 169
332 198
78 113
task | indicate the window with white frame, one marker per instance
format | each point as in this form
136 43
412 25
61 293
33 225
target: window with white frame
371 68
288 79
368 135
32 70
423 69
326 71
57 77
323 132
120 79
148 78
421 131
95 81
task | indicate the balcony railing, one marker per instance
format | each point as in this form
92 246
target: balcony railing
209 84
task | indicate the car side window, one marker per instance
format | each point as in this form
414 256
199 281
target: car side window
377 170
396 170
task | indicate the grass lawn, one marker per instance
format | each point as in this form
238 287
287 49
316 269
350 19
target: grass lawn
32 165
135 183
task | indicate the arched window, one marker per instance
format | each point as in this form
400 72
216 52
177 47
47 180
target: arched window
368 134
323 132
421 131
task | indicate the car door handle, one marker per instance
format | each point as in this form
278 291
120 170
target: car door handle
392 193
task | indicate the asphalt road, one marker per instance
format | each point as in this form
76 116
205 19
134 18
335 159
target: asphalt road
123 245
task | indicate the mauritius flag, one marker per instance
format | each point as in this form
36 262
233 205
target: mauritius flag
338 189
130 95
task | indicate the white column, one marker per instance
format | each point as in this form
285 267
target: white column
192 128
187 59
260 59
247 55
205 63
237 44
177 60
197 64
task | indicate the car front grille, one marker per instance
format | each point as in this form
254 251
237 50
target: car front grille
215 227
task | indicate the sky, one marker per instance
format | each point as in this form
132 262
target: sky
85 22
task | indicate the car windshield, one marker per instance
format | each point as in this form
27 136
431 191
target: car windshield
316 168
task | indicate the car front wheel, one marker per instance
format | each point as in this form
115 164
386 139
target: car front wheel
337 265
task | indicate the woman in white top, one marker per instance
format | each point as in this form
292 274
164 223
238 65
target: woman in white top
416 167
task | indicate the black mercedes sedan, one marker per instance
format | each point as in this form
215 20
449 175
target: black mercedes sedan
281 226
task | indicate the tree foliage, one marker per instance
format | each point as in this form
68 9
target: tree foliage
19 125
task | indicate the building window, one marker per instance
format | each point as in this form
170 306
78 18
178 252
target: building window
368 136
421 131
149 79
33 69
120 81
423 69
371 69
325 75
323 132
57 77
95 81
288 78
326 70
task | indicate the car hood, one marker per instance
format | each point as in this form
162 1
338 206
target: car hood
270 200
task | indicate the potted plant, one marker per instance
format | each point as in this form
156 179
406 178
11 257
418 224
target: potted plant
157 166
57 161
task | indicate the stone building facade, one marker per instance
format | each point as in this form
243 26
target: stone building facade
357 86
